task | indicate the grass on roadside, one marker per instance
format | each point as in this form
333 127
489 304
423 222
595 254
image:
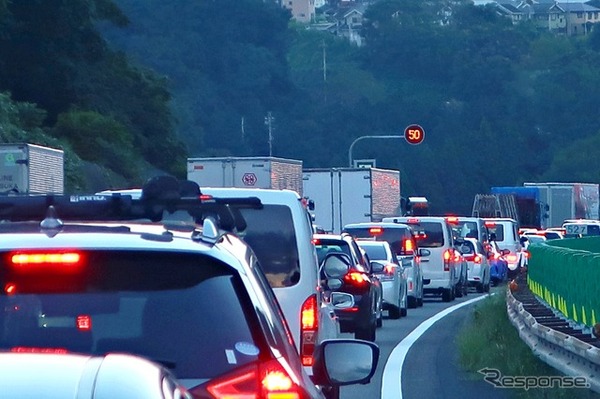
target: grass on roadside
489 340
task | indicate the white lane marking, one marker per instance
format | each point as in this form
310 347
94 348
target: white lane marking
391 383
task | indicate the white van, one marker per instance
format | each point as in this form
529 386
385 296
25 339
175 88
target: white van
505 232
281 236
439 271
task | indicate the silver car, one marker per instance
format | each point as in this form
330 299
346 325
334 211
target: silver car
69 375
391 274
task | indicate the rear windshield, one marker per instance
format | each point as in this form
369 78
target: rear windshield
375 252
393 236
498 231
325 247
465 229
270 233
429 234
163 306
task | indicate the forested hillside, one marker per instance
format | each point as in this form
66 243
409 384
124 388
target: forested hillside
501 104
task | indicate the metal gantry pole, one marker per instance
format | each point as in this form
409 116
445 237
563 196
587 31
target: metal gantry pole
367 137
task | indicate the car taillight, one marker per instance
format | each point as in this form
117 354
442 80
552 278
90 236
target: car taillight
527 254
512 258
389 269
356 278
32 349
477 259
309 323
375 231
63 262
268 380
452 219
447 256
408 246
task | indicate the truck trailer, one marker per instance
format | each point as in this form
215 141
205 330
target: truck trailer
247 172
351 195
567 201
31 169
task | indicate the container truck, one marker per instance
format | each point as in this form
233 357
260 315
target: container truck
247 172
351 195
31 169
567 201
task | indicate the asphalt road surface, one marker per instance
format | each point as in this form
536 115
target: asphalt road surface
419 356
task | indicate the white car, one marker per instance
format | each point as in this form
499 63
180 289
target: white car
478 267
391 274
434 233
69 375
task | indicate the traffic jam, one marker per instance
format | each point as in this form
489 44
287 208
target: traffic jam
178 290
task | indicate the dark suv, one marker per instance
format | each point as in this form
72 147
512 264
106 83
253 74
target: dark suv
363 317
160 278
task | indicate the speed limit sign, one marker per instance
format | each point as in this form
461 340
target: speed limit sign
414 134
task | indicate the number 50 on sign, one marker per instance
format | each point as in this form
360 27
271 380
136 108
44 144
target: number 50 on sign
414 134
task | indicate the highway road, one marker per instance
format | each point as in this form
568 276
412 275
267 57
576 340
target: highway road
419 356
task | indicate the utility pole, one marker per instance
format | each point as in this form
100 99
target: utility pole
269 119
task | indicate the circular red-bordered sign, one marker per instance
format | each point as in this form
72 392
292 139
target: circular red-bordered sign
249 179
414 134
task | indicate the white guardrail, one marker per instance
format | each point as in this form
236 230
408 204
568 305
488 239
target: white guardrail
565 353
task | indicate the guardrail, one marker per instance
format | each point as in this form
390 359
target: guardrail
564 352
562 281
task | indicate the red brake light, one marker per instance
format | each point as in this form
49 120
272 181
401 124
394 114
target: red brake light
412 221
389 269
452 219
477 259
55 263
267 380
512 258
205 197
447 256
32 349
309 323
316 241
356 278
408 245
375 231
62 258
490 224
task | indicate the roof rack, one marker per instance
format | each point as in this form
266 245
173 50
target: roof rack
161 196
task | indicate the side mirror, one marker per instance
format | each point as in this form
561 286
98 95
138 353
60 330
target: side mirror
424 252
345 361
341 300
377 267
336 265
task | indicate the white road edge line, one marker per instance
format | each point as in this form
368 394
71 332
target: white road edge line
391 383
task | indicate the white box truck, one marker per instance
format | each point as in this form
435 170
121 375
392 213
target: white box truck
31 169
563 201
351 195
246 172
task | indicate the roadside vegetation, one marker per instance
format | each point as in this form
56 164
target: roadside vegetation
489 340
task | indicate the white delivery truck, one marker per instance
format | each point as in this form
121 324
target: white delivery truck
351 195
31 169
246 172
564 201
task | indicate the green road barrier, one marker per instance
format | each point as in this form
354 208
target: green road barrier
565 274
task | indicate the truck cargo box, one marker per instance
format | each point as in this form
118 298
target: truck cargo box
352 195
247 172
31 169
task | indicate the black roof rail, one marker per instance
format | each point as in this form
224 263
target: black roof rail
154 204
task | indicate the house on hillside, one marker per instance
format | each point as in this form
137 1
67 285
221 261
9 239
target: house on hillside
565 18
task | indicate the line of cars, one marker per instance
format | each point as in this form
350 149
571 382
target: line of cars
178 277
